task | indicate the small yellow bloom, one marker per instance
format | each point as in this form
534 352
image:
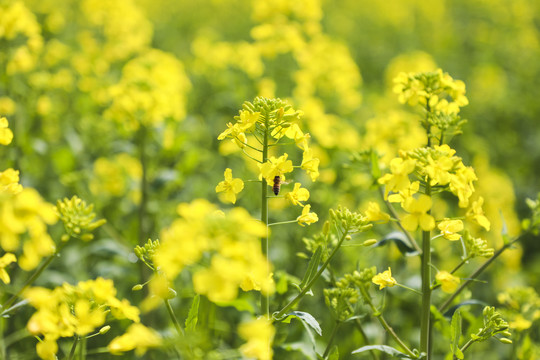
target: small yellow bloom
310 164
398 180
297 195
477 214
4 262
307 217
417 209
275 167
384 279
137 337
230 187
374 213
6 135
449 282
449 229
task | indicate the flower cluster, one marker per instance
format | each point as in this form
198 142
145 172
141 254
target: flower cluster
78 218
70 310
232 240
269 122
17 21
152 89
117 176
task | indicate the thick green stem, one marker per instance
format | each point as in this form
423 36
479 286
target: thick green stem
426 286
173 317
384 323
31 279
308 286
265 299
475 274
331 340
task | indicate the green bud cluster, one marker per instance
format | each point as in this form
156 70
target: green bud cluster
279 112
349 221
476 247
339 301
361 278
493 324
532 223
78 218
146 253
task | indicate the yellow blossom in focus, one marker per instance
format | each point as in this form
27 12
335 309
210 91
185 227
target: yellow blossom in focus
137 337
476 213
275 167
307 217
449 282
384 279
417 214
259 335
230 187
5 260
449 229
403 195
374 213
297 195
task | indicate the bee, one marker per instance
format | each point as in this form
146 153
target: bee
277 184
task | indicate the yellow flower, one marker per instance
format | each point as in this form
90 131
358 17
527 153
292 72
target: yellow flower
9 182
6 135
310 164
374 213
384 279
219 282
417 209
403 195
449 282
259 335
398 180
307 217
449 228
5 260
297 195
137 337
520 323
47 349
477 214
87 318
275 167
230 187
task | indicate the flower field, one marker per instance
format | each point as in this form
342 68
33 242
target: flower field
234 179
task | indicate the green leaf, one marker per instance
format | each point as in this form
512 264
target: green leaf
375 169
312 268
240 304
305 318
456 335
193 315
453 309
384 348
402 242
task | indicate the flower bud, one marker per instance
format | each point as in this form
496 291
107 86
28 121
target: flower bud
505 341
137 287
369 242
104 329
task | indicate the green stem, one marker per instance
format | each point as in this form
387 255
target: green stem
308 286
384 323
283 222
173 317
73 347
265 299
476 273
31 279
467 344
331 340
426 286
144 186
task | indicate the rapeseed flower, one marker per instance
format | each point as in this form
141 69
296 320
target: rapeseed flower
417 214
307 217
398 180
5 260
259 335
449 283
6 135
384 279
449 229
297 195
374 213
476 213
230 187
275 167
137 337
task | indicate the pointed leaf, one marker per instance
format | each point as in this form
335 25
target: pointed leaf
402 242
313 266
450 312
308 319
384 348
456 335
193 315
334 353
